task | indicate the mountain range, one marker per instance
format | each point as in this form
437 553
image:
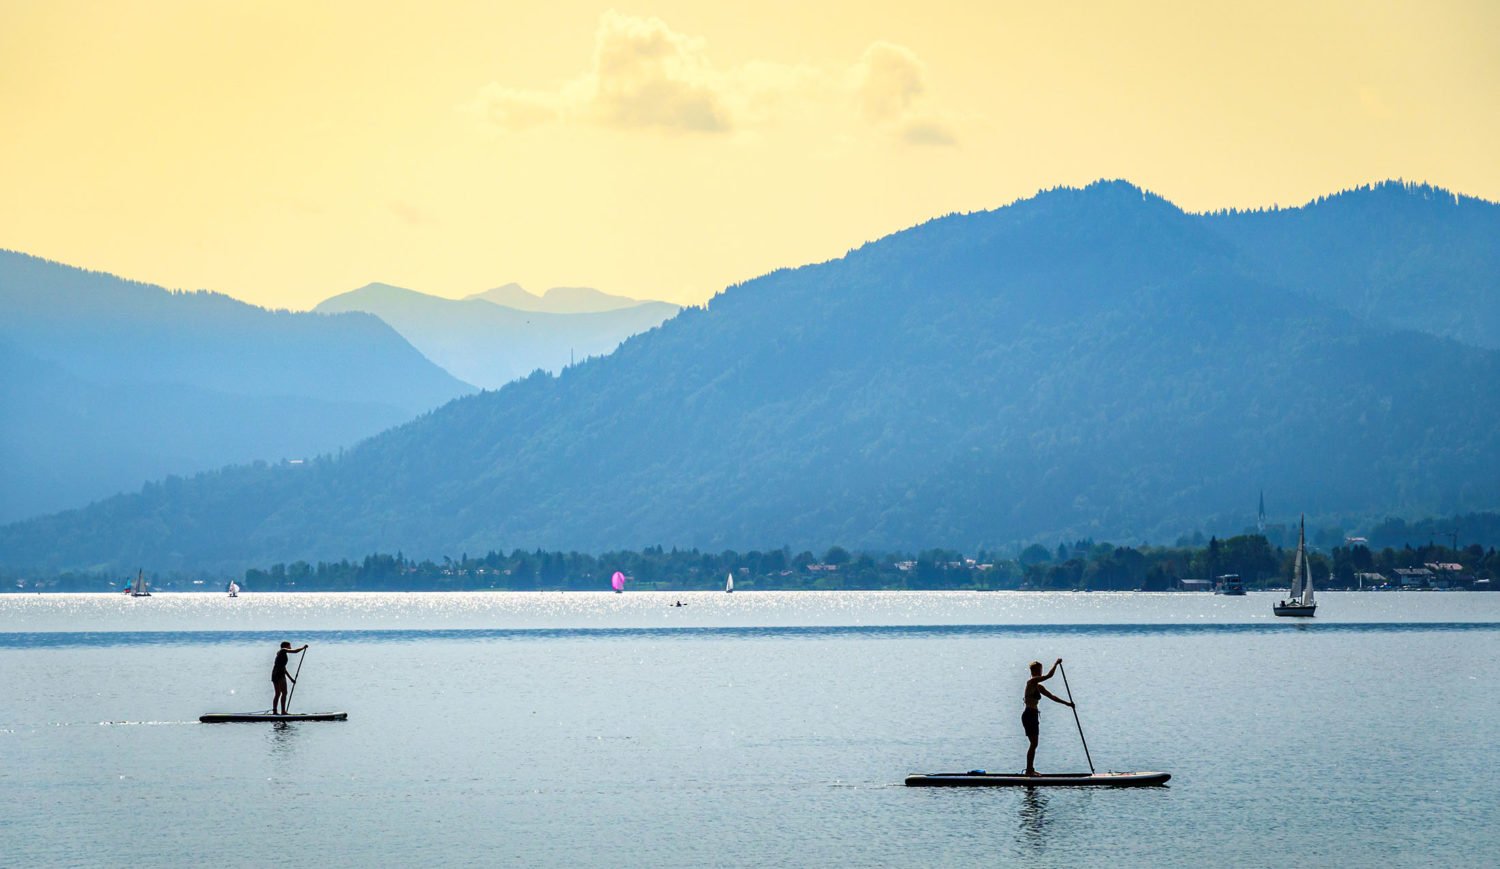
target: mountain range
494 337
109 383
558 300
1085 363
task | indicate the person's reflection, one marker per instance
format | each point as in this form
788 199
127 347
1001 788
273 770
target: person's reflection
1033 818
283 739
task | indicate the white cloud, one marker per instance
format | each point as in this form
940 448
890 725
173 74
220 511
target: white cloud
890 81
514 109
408 213
646 76
926 131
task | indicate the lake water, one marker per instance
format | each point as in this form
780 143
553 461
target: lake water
770 728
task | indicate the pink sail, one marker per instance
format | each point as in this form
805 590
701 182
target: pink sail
618 581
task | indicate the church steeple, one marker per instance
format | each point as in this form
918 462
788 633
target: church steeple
1260 517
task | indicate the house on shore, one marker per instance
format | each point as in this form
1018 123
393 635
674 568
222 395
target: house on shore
1414 577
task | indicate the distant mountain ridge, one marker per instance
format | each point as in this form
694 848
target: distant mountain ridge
1084 363
1399 255
557 300
490 344
110 383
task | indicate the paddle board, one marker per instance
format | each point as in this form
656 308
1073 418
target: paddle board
977 778
228 717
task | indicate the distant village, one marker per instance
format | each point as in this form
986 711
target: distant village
1433 575
1249 560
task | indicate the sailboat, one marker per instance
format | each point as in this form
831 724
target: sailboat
1300 601
729 584
617 582
234 589
139 589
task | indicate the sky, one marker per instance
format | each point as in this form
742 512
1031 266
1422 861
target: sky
284 152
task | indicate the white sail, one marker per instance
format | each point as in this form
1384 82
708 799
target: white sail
729 582
1307 589
1297 566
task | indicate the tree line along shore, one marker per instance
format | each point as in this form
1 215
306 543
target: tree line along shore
1080 565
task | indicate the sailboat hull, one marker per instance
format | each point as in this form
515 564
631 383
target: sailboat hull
1296 610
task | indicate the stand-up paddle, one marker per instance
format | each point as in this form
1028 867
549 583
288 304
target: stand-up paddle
303 657
1066 687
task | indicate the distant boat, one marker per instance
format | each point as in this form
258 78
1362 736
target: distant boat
618 582
1229 584
729 584
1300 601
234 589
139 589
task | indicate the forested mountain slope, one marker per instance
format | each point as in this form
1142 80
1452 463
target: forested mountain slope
109 383
1085 363
1407 256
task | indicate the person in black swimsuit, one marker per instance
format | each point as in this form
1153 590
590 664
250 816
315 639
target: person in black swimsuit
279 677
1031 715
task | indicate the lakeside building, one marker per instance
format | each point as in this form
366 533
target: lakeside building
1413 576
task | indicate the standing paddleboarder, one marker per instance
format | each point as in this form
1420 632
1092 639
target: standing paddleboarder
1031 715
279 678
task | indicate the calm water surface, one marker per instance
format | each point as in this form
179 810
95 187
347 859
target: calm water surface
752 729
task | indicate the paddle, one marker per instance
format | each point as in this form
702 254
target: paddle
303 657
1075 717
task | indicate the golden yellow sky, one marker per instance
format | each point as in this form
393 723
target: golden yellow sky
282 152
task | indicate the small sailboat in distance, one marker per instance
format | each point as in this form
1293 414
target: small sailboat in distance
729 584
139 589
617 582
234 588
1300 601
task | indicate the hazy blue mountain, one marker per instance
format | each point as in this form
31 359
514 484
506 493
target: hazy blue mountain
1407 256
1085 363
108 383
489 344
558 300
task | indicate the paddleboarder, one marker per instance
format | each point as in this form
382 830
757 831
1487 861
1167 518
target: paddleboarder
1031 715
279 676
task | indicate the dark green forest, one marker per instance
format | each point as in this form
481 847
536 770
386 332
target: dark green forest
1079 565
